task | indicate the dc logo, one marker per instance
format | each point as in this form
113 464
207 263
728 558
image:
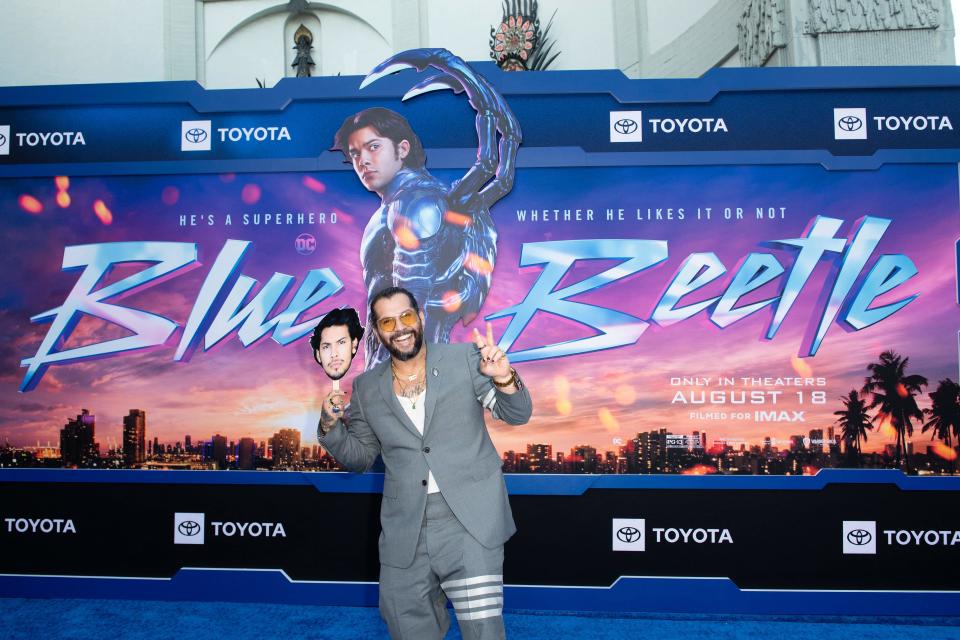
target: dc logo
195 135
305 244
859 537
628 534
850 123
188 528
625 126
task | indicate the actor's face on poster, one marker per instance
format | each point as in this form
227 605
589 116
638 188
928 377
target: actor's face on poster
376 159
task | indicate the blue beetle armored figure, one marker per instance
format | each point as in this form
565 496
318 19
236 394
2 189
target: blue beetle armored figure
438 242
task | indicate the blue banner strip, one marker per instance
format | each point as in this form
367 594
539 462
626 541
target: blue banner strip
517 484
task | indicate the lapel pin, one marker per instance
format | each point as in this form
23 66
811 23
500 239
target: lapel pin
435 372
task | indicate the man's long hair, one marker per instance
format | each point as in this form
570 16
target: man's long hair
386 123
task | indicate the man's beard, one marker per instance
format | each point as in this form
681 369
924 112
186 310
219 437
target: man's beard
409 355
335 375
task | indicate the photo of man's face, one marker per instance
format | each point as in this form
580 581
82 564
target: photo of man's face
336 351
376 159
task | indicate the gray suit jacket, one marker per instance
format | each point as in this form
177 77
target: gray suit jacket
455 446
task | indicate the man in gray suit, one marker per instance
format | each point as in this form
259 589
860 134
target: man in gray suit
445 514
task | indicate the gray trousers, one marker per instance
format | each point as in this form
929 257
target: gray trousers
448 563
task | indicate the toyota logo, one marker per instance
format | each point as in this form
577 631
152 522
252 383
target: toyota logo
628 534
188 528
195 135
625 126
850 123
859 537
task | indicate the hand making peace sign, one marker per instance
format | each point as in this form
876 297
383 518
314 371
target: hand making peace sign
493 362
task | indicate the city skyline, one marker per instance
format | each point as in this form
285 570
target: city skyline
657 452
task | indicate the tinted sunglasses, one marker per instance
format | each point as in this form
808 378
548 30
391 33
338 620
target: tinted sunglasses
408 319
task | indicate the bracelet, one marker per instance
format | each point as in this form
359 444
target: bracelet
512 380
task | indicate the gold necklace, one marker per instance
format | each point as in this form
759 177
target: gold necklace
411 391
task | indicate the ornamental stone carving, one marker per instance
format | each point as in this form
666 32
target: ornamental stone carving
844 16
761 31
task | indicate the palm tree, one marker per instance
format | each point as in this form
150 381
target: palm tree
894 395
854 422
944 414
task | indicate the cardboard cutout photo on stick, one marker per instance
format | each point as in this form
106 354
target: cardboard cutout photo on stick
335 341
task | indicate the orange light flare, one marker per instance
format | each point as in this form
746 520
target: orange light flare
902 391
406 238
803 369
886 428
30 204
250 194
62 183
314 185
625 395
451 301
103 212
63 199
561 387
810 470
477 264
698 470
945 452
459 219
608 420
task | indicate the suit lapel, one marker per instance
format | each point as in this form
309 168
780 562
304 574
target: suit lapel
386 390
434 356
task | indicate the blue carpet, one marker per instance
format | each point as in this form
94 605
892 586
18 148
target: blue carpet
116 619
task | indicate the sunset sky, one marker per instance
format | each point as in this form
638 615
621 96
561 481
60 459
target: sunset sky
581 399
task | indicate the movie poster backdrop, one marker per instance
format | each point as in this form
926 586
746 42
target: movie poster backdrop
682 319
744 277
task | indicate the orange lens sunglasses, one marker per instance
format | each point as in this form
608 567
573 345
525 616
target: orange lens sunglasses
408 319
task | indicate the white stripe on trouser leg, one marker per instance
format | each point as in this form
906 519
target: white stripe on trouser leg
450 584
473 593
479 603
479 615
476 598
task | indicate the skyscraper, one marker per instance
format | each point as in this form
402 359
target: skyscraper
218 450
540 457
77 447
134 438
246 454
286 448
584 458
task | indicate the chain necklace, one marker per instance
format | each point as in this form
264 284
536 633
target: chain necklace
413 387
